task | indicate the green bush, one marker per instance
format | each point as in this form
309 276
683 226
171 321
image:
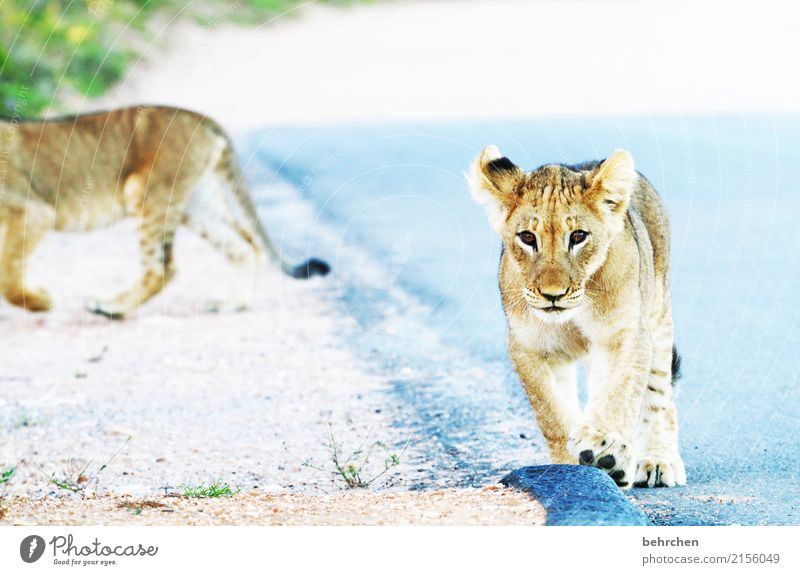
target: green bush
83 45
50 44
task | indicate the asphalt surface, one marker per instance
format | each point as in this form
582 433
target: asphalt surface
415 263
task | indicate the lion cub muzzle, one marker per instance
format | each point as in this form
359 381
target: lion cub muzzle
553 304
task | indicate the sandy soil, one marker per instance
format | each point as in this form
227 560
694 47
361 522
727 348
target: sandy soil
244 397
487 506
424 60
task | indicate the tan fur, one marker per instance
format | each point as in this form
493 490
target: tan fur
84 172
604 300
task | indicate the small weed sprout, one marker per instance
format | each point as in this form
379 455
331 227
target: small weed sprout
136 507
350 470
77 480
216 489
6 475
98 357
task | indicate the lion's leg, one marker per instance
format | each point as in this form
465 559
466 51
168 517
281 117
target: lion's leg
24 229
618 372
241 255
660 463
156 238
552 392
208 216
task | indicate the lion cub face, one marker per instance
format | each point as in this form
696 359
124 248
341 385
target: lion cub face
556 224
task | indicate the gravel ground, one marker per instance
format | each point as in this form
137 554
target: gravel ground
487 506
246 398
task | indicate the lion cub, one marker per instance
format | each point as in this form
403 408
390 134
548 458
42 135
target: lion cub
164 166
584 275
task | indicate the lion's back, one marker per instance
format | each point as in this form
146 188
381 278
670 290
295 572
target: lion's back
73 160
648 205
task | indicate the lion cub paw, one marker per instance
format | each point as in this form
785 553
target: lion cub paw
30 299
660 472
605 450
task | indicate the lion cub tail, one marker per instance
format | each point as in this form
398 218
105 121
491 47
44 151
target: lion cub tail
676 365
228 167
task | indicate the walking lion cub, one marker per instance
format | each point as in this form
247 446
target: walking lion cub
150 162
584 275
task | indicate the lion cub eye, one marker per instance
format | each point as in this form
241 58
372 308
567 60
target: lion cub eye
528 238
577 237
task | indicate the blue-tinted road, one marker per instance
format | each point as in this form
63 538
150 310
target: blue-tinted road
416 264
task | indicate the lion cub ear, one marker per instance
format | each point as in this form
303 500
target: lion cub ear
614 180
493 181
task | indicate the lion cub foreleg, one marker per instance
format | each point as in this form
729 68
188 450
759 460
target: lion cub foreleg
550 385
618 369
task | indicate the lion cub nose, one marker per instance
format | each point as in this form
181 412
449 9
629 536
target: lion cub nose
553 294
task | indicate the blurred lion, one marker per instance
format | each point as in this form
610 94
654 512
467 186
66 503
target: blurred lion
164 166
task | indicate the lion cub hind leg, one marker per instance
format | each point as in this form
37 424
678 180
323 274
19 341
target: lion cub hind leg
24 229
660 463
225 238
208 215
156 236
